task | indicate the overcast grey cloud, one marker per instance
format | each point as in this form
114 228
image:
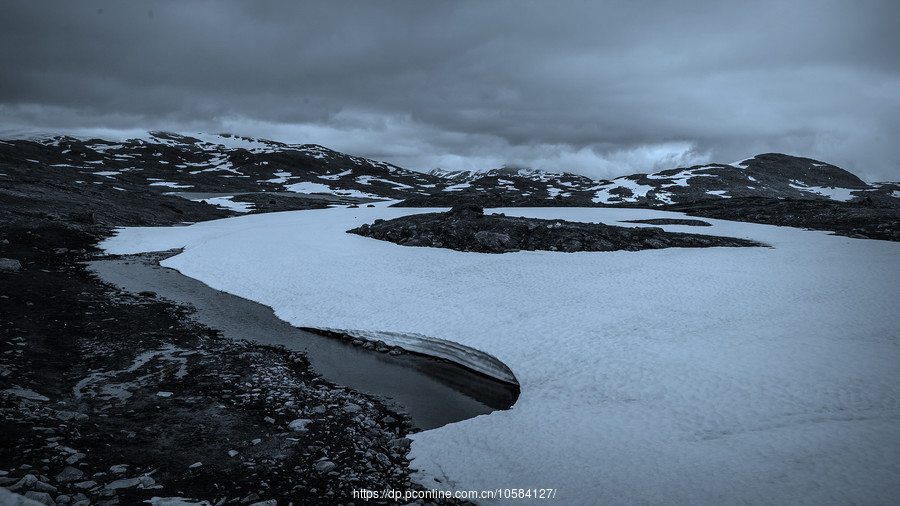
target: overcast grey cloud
600 88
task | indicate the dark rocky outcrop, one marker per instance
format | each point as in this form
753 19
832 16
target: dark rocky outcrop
864 219
467 228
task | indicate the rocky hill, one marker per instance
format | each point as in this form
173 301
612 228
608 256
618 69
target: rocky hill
769 175
162 178
167 162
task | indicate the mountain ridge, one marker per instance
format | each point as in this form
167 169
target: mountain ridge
227 163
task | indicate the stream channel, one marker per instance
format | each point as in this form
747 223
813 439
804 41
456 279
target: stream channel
434 392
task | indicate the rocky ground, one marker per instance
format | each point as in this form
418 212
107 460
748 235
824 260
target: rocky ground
866 219
877 218
467 228
110 398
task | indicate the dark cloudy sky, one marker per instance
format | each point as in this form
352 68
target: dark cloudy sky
604 88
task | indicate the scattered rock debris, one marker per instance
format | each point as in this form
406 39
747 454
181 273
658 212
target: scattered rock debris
114 398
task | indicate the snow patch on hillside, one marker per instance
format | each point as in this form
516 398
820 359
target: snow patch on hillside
457 187
170 184
227 203
280 177
308 187
839 194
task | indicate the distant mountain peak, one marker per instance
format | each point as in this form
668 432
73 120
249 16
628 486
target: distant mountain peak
205 162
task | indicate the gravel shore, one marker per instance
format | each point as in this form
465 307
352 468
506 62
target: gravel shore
115 398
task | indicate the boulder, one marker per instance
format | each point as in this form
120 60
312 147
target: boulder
325 466
299 425
26 483
40 497
123 483
10 264
493 241
12 499
466 212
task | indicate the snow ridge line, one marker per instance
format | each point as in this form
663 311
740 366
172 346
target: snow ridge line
462 355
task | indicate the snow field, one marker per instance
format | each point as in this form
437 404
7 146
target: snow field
701 376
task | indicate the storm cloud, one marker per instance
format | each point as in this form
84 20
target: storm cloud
599 88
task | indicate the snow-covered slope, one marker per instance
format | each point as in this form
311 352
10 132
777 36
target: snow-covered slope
711 376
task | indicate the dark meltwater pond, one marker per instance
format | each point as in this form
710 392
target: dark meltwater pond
433 392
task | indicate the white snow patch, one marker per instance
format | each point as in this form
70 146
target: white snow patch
227 203
170 184
673 376
355 194
308 187
103 148
107 173
280 177
637 190
604 196
369 179
233 142
719 193
839 194
664 197
335 177
316 152
457 187
440 348
681 178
